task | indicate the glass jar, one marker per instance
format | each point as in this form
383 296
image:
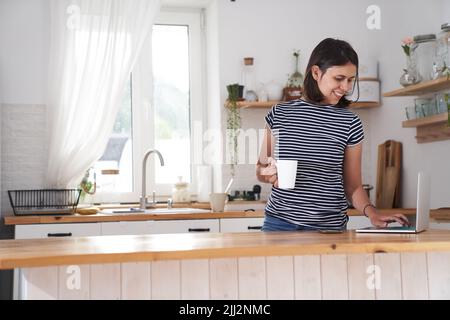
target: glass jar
248 79
410 112
441 102
425 55
425 107
443 48
180 191
410 74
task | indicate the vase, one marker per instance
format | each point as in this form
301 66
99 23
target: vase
296 79
411 74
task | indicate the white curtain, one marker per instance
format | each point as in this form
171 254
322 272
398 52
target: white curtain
93 47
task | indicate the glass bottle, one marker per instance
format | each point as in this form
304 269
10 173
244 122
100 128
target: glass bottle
296 79
248 79
443 48
425 55
180 191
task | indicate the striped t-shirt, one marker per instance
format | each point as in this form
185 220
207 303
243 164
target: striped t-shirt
316 136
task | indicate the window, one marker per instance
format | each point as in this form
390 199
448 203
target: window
159 117
170 51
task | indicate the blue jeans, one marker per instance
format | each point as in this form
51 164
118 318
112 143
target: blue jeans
274 224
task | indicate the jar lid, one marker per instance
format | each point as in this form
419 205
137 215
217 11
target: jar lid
445 27
248 61
424 38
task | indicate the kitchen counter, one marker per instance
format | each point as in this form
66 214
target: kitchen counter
102 217
109 249
285 265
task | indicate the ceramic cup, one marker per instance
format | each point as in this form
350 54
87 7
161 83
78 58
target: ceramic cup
287 172
217 201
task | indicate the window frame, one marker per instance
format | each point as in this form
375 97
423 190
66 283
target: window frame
143 109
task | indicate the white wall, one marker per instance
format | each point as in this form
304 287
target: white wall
429 156
270 31
267 30
446 12
24 43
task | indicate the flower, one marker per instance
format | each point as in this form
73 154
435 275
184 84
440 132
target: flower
408 46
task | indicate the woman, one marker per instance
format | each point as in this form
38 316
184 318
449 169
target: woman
326 140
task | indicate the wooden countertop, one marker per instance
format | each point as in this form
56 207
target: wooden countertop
101 217
114 249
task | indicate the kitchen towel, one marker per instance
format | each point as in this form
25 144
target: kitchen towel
204 183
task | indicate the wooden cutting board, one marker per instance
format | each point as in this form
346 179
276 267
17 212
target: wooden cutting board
388 174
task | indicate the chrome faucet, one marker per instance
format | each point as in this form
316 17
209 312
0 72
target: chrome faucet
143 203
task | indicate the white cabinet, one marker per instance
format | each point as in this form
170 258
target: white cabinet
441 225
35 231
182 226
127 227
241 224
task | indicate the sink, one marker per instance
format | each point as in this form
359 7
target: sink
154 211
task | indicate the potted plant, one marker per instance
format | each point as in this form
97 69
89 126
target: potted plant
233 123
293 89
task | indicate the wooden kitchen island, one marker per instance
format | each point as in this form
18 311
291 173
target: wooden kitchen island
278 265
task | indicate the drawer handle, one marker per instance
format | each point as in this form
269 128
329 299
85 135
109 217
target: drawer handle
199 229
60 234
254 227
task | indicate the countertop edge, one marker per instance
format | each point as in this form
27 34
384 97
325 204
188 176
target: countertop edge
119 249
76 218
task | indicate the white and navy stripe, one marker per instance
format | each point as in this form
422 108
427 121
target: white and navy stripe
316 136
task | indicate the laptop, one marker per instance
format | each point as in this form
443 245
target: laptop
422 211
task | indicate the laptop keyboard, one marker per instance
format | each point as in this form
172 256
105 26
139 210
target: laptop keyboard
399 228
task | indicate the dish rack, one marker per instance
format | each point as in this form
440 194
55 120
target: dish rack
44 201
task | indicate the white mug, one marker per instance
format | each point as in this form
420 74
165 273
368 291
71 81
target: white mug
287 173
217 201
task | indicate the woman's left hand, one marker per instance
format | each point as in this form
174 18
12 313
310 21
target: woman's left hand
383 221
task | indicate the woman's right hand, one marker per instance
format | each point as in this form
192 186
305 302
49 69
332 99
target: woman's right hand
271 172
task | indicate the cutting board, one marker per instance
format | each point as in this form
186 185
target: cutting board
388 174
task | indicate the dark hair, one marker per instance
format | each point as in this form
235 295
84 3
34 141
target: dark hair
328 53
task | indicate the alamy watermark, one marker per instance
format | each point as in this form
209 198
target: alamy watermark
73 21
73 281
373 281
373 21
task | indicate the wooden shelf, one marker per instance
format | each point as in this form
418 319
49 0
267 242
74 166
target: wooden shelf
364 105
257 104
432 128
269 104
421 88
441 117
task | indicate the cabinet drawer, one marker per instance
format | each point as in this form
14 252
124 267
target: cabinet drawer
182 226
127 227
241 225
34 231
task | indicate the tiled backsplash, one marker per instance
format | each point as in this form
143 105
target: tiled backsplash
24 148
